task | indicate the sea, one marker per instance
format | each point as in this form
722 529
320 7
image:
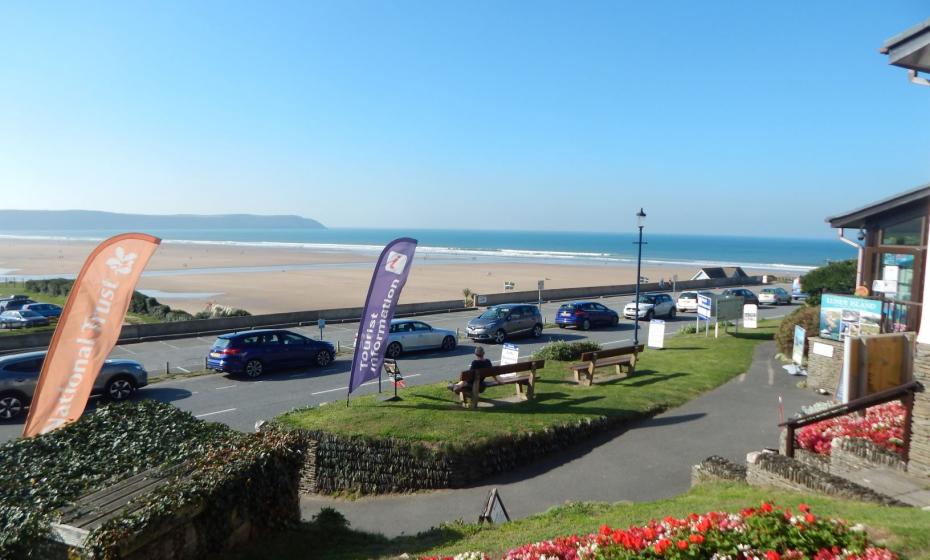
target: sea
762 253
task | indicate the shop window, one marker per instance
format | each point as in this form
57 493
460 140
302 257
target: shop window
909 232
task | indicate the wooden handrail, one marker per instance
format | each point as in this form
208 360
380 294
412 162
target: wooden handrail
904 392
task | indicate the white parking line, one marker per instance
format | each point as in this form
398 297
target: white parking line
124 349
182 369
223 387
362 385
169 345
212 413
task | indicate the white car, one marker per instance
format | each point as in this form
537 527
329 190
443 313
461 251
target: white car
687 301
651 306
774 296
409 334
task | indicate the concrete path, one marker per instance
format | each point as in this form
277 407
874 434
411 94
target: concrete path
909 489
649 460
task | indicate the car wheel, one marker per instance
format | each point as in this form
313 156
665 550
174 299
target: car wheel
119 389
671 313
615 321
500 336
394 350
11 406
254 368
561 326
537 331
324 358
448 343
585 325
648 316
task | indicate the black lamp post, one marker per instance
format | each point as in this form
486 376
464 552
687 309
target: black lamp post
640 222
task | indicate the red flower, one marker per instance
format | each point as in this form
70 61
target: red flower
696 538
766 507
772 555
661 546
805 508
809 518
682 545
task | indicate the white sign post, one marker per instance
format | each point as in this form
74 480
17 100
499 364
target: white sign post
750 316
656 333
510 354
705 311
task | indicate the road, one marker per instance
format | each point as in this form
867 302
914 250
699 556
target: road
240 403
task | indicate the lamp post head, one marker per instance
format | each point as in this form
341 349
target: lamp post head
640 218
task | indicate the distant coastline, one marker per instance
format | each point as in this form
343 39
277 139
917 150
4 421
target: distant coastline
69 220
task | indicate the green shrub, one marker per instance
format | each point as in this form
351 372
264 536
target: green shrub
835 278
688 329
807 317
566 351
178 315
203 315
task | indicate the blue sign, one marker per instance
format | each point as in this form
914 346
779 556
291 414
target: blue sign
705 307
849 316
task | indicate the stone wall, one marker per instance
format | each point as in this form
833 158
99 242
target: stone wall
919 462
716 468
822 372
771 469
335 463
854 454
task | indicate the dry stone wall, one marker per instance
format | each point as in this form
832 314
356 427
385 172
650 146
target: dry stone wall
336 463
716 468
823 372
919 460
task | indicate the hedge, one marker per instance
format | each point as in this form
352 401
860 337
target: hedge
566 351
39 475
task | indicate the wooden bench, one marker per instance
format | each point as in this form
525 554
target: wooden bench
624 357
521 374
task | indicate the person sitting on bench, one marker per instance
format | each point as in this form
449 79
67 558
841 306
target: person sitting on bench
468 377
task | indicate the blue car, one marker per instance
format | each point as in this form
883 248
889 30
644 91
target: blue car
48 310
585 314
253 352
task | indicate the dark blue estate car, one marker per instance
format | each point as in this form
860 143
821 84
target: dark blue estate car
585 314
253 352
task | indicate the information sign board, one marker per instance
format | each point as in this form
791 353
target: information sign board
705 307
797 350
729 309
750 315
848 315
510 354
656 333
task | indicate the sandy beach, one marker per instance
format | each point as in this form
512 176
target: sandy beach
342 281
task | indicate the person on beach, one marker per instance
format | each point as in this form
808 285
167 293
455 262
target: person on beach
468 377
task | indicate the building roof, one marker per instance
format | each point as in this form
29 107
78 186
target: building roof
715 272
857 218
911 48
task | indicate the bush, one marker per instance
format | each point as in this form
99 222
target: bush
835 278
807 317
41 474
566 351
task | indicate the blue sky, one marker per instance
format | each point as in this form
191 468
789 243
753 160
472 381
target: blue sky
716 117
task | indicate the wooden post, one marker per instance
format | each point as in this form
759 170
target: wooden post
789 441
531 388
475 387
908 402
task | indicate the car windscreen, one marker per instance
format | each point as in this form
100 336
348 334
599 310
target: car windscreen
222 343
768 290
495 313
25 313
688 295
647 299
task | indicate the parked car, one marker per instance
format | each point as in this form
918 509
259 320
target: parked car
650 307
747 295
408 334
687 301
21 319
49 310
14 303
19 373
796 293
584 314
253 352
500 322
774 296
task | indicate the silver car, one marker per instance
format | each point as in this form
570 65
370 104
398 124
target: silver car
19 373
409 334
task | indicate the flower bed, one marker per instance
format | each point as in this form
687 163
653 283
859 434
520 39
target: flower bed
766 532
883 425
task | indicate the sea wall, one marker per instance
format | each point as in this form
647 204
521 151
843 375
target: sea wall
200 327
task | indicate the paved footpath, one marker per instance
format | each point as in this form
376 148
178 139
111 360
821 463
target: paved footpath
649 460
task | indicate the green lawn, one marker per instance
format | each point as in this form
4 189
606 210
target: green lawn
904 530
687 367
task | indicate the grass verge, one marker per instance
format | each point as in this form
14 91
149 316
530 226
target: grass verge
7 289
688 366
904 530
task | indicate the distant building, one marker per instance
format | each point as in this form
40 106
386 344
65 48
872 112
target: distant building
719 272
